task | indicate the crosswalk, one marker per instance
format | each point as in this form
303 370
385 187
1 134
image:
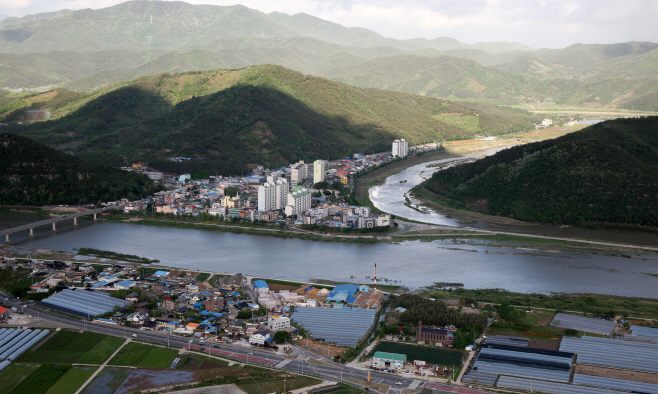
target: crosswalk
283 363
414 384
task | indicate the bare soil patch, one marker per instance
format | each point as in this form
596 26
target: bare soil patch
634 376
544 345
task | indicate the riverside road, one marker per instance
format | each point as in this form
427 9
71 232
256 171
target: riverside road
302 360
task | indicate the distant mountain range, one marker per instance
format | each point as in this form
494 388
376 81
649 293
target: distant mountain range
89 49
604 176
228 121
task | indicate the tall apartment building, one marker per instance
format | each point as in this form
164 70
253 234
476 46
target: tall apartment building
299 201
298 172
400 148
273 196
318 171
274 176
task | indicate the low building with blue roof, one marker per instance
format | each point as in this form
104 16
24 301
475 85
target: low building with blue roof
261 287
161 273
125 285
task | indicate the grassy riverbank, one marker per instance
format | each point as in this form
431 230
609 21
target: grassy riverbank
591 305
270 231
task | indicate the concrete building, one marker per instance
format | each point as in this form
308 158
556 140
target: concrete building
298 172
318 171
215 305
400 148
392 361
273 196
278 323
260 338
437 335
299 201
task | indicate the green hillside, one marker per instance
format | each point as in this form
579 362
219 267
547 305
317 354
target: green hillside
35 174
603 176
229 120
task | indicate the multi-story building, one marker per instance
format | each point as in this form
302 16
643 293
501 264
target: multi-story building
318 171
298 172
299 201
400 148
278 323
215 305
273 196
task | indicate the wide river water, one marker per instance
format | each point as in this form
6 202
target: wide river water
412 263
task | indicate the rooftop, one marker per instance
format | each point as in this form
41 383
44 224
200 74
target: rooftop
390 356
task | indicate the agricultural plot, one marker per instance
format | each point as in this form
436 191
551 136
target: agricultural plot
107 381
193 361
103 349
41 379
65 347
429 355
140 379
138 355
72 380
277 386
14 374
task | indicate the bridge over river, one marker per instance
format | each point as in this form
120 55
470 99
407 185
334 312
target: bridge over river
52 221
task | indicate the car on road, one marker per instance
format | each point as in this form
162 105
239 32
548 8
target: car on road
398 383
134 335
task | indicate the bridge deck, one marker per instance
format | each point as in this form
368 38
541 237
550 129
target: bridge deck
53 220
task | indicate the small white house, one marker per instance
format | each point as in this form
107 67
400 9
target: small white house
260 337
278 323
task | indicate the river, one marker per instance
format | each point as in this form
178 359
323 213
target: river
413 263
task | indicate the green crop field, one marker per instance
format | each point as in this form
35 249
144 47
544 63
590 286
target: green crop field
65 347
138 355
41 379
107 381
14 374
203 276
429 355
72 380
277 386
37 356
103 349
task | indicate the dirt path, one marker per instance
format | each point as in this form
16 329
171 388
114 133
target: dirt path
93 376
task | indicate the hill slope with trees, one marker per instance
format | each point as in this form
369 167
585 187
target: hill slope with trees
603 176
231 120
34 174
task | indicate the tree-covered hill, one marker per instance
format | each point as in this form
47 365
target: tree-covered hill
229 120
603 176
35 174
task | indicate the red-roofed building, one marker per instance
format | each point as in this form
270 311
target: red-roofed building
2 311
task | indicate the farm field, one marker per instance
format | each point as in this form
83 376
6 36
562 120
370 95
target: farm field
65 347
138 355
140 379
276 386
72 380
14 374
342 389
429 355
103 349
194 361
41 379
107 381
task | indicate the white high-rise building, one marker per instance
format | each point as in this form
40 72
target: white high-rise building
273 196
298 172
318 171
299 201
400 148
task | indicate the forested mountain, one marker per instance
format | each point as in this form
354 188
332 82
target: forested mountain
35 174
89 49
229 120
603 176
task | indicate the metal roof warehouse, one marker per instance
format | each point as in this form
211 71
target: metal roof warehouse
83 303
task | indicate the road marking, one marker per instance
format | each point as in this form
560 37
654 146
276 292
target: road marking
414 384
283 363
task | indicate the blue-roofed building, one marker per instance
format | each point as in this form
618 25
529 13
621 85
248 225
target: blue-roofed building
99 284
342 292
261 287
364 289
161 273
125 285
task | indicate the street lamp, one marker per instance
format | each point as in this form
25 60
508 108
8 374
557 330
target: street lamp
249 354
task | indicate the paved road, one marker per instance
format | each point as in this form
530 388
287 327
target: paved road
299 362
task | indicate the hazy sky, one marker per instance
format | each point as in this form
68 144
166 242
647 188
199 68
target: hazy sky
537 23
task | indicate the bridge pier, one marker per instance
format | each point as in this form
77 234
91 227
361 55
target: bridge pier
94 216
75 221
7 238
32 232
54 226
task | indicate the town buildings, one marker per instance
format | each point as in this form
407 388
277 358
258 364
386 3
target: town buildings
318 171
400 148
298 172
299 201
